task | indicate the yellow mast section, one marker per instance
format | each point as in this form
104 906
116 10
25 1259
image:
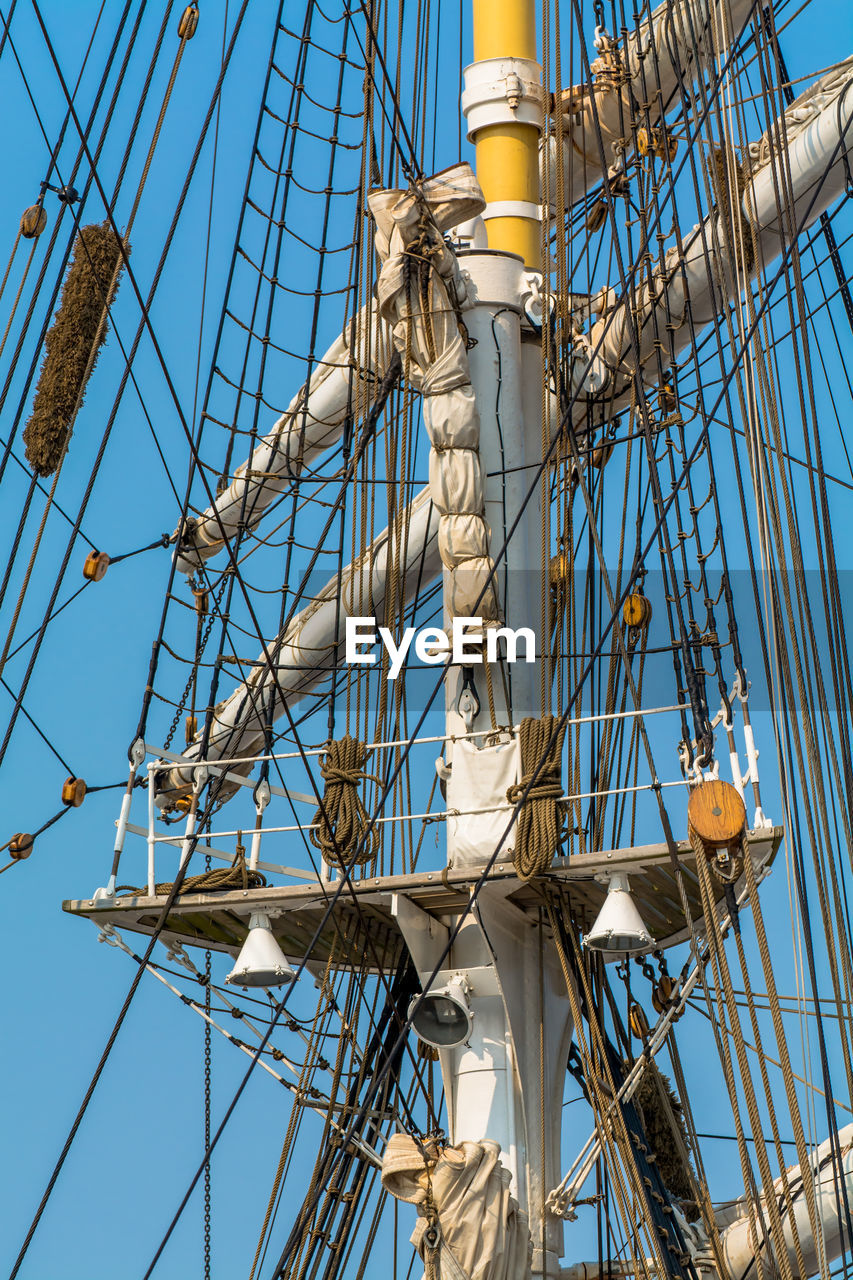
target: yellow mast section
507 153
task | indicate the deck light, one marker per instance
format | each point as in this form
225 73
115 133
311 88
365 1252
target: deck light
261 962
443 1017
619 929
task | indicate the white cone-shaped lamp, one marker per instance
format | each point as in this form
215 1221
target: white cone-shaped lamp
443 1017
261 962
619 929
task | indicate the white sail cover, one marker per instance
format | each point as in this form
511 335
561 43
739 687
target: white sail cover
482 1233
797 170
738 1227
478 812
421 294
676 39
311 644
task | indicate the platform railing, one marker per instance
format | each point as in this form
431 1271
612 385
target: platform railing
257 833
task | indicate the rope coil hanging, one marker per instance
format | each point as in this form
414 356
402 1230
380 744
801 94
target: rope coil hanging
541 812
341 823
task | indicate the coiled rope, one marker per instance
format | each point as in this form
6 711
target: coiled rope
341 823
237 876
541 813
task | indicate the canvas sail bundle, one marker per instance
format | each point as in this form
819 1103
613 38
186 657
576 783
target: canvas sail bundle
463 1198
421 295
312 423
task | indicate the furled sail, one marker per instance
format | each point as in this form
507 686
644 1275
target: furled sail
469 1225
421 295
674 44
310 646
789 184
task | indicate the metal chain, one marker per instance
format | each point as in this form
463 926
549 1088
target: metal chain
200 648
207 1076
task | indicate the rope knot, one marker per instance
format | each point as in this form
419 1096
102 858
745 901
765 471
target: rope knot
342 825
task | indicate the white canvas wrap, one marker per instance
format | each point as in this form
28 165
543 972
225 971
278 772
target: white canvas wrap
312 423
482 1233
421 294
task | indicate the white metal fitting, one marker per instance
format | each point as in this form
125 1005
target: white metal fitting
502 91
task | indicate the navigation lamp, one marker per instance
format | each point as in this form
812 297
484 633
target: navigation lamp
443 1017
619 929
261 962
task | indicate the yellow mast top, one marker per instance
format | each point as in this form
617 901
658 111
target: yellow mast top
507 152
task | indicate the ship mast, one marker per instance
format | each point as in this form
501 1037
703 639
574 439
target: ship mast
497 995
504 1083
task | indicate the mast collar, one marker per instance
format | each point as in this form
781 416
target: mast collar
502 91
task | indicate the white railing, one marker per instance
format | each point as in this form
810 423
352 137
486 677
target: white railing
149 759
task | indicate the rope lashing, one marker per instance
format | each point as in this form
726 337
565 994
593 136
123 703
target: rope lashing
540 817
237 876
341 823
716 826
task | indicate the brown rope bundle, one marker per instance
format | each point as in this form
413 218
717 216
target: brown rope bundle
72 344
540 815
341 823
237 876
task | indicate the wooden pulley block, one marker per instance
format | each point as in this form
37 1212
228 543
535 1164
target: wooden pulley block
662 994
667 398
601 455
653 141
596 216
95 566
188 23
33 222
190 729
637 610
558 570
717 815
73 792
21 845
638 1022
